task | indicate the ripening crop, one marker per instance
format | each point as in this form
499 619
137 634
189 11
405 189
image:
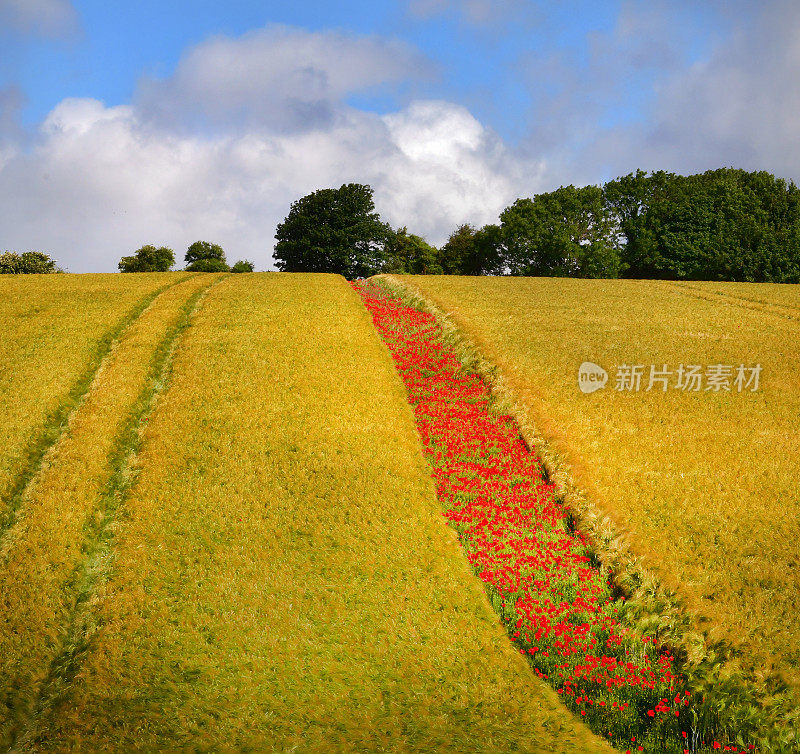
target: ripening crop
278 575
558 605
48 546
700 485
54 330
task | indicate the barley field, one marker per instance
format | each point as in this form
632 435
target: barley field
702 483
235 545
55 331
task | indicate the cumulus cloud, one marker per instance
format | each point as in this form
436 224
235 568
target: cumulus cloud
450 169
101 181
219 150
277 78
49 18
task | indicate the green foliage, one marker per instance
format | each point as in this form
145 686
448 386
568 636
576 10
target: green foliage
719 225
204 250
203 256
333 230
27 263
472 252
410 254
208 265
243 265
148 259
566 232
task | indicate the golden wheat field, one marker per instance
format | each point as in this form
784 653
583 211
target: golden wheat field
234 543
55 331
703 483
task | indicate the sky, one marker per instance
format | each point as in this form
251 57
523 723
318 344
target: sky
124 123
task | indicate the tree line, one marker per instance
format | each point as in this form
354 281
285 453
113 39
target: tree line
201 256
725 224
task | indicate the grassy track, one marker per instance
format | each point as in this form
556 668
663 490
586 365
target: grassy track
778 298
283 576
56 330
43 554
704 484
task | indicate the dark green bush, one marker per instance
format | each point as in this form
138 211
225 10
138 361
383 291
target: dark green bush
208 265
148 259
204 250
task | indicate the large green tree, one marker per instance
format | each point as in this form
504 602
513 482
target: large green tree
472 252
333 230
724 224
566 232
148 259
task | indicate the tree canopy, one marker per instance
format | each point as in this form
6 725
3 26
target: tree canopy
148 259
566 232
333 230
409 254
27 263
204 256
471 252
723 224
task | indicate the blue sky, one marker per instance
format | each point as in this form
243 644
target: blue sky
130 123
109 46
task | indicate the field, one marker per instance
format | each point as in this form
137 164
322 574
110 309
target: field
702 484
236 545
55 333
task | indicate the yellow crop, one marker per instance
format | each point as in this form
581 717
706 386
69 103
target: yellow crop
282 577
704 484
44 550
54 329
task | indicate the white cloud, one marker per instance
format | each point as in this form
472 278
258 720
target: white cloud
450 169
219 150
49 18
101 181
277 78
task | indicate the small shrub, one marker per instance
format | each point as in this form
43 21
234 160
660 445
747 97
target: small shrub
243 265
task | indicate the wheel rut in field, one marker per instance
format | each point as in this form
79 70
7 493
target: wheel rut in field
60 544
48 436
759 305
